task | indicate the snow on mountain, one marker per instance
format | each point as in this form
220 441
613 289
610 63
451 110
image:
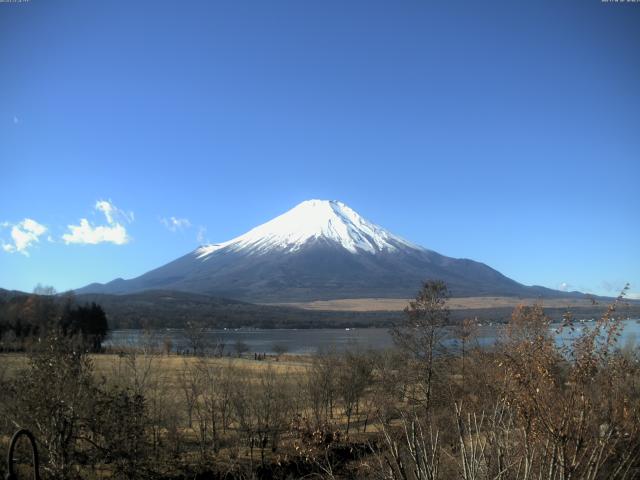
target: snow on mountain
319 250
313 220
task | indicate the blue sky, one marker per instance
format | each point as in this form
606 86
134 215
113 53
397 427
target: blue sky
507 132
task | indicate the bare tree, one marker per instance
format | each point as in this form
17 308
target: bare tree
213 404
189 381
421 334
194 333
410 454
465 333
321 385
240 347
279 349
241 402
271 408
167 345
354 376
218 347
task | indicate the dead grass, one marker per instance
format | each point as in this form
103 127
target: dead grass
171 366
398 304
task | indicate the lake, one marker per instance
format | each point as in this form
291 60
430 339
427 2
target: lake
308 341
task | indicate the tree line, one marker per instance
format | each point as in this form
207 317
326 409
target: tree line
25 319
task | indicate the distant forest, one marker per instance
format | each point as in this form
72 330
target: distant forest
171 309
175 309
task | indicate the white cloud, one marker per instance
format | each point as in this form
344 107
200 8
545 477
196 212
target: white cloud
564 287
201 236
114 232
633 295
174 224
113 214
85 233
106 208
23 235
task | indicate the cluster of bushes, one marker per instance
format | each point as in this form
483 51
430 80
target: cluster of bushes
527 408
77 420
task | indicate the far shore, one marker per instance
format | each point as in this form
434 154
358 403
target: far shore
398 304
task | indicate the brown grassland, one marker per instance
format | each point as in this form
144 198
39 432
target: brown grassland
462 303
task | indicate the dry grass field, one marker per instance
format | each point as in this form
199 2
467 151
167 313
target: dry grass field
398 304
178 400
107 365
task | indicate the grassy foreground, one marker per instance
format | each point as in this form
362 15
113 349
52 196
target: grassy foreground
525 409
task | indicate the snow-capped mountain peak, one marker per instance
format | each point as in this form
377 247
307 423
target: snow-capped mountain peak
319 250
310 220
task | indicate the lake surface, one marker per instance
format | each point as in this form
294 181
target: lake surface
308 341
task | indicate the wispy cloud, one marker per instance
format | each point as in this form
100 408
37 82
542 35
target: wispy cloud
113 214
612 286
114 232
201 235
23 235
174 224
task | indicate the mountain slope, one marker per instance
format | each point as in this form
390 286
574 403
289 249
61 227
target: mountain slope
319 250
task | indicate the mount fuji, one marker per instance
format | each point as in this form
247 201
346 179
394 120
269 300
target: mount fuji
319 250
